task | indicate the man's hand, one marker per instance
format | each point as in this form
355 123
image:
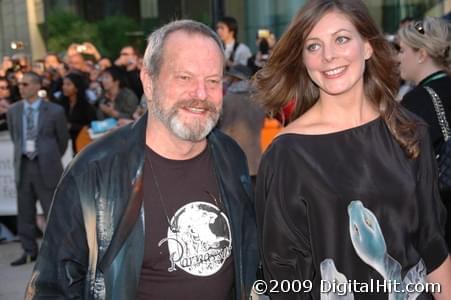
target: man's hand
123 121
85 48
109 110
91 50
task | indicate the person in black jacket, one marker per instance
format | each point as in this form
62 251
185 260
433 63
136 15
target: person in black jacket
129 60
38 130
161 208
425 57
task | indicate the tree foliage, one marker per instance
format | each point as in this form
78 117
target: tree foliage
116 32
109 35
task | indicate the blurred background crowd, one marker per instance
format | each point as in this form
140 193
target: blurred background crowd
91 86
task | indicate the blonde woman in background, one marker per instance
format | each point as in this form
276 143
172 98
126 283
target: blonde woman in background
425 58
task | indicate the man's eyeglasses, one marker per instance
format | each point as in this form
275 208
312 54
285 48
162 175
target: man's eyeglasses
419 27
24 84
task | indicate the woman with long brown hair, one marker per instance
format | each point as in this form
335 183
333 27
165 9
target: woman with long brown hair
348 190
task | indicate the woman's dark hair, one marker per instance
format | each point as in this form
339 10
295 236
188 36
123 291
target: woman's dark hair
81 84
8 86
284 78
118 74
14 94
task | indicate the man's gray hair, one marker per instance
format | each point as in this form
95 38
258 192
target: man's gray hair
153 57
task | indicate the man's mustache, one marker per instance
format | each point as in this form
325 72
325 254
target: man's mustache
197 103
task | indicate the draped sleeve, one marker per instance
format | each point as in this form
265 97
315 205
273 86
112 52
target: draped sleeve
282 222
431 242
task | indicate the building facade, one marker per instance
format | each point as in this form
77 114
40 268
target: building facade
24 20
19 27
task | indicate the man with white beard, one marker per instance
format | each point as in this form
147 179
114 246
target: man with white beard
117 229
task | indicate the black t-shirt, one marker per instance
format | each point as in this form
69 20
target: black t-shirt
193 259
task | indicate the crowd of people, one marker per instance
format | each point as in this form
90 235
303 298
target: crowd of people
92 87
88 86
180 194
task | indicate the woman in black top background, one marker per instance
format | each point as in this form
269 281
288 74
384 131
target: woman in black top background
79 112
425 58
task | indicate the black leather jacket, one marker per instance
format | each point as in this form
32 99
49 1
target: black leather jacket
94 244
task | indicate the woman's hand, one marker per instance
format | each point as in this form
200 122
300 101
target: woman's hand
442 276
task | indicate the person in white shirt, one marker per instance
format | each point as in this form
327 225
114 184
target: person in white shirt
236 53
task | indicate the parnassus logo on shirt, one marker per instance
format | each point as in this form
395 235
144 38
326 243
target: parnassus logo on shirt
200 240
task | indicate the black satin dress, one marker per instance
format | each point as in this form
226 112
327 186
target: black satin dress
315 194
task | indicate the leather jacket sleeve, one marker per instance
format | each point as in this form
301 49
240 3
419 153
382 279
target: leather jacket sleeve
61 267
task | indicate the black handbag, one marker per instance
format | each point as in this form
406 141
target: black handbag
443 154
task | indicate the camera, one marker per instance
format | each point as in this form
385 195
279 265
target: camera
39 66
81 48
263 33
263 46
16 45
16 65
42 94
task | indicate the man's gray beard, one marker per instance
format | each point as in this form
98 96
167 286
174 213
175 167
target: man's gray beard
195 132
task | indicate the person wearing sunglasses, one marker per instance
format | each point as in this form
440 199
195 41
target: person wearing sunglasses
39 133
425 59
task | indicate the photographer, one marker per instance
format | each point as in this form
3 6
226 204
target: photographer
54 71
265 42
78 57
129 60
